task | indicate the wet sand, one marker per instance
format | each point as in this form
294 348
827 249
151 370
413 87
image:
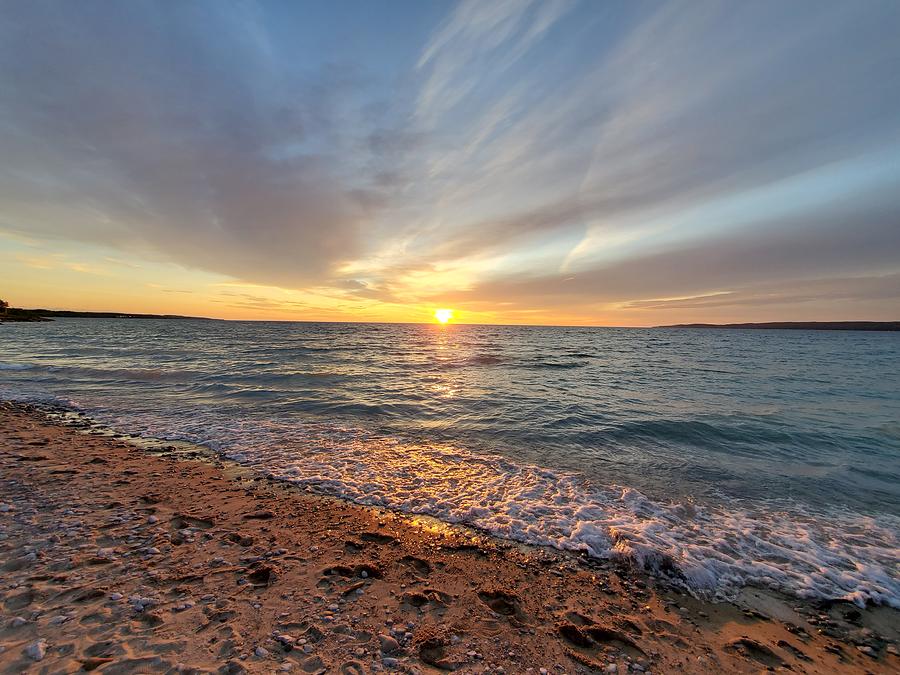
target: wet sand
133 558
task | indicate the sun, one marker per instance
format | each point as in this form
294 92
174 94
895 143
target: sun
443 315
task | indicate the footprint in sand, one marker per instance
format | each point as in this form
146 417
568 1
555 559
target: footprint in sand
756 651
504 603
422 567
378 538
587 640
431 598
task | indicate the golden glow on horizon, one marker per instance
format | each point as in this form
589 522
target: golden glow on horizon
443 315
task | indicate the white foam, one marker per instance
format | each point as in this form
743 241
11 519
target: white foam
713 551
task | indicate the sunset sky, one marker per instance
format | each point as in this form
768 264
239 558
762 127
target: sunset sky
604 163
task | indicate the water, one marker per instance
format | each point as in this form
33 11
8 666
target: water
719 458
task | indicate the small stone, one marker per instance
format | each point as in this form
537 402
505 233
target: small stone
17 622
57 620
261 652
36 650
390 662
115 597
153 520
388 644
612 668
5 508
152 551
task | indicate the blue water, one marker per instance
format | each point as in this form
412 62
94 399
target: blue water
733 457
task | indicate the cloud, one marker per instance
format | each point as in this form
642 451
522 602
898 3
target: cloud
177 132
478 34
833 290
859 236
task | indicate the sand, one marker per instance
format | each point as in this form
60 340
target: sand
133 557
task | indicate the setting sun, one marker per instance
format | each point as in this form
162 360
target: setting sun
443 315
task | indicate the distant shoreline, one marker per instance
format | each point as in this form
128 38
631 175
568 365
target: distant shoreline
41 315
36 315
800 325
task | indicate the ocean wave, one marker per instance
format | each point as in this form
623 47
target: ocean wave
554 365
711 551
474 360
124 374
16 366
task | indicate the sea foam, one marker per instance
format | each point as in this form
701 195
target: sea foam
711 550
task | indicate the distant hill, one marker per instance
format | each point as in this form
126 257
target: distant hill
799 325
18 314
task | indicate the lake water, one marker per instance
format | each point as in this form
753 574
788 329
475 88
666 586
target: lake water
719 458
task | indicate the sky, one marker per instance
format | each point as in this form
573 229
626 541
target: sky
612 162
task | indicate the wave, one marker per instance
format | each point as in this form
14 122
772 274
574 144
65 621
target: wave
496 360
711 550
125 374
16 366
554 365
474 360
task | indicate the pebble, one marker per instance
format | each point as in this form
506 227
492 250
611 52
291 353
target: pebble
36 650
390 662
115 597
153 520
17 622
612 668
388 644
5 508
261 652
140 604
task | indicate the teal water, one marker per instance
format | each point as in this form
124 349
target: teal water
719 457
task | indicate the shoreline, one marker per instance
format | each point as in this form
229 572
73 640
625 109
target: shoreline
233 564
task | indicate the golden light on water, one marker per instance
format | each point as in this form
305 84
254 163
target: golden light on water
443 315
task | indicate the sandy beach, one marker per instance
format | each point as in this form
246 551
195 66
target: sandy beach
138 558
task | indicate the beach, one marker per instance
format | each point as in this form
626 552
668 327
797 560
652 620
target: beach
138 558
